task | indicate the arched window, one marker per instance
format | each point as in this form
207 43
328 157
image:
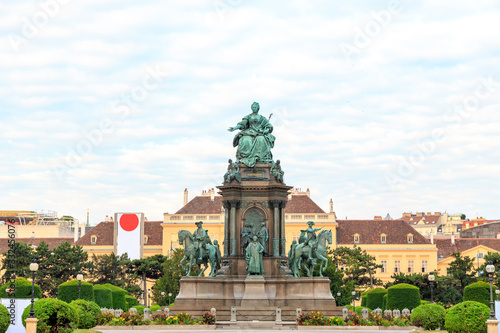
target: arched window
356 238
409 238
383 238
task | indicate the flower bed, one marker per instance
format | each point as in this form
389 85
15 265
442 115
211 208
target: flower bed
134 319
318 319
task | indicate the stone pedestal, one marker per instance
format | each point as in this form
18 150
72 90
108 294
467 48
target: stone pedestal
31 325
492 326
255 292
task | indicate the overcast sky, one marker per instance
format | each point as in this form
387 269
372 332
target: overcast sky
383 106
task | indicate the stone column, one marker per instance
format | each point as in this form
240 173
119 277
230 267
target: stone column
276 228
492 326
227 240
234 247
282 226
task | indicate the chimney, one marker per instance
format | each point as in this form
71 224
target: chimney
308 192
498 235
452 238
106 219
185 196
212 194
77 230
32 235
82 228
331 205
432 238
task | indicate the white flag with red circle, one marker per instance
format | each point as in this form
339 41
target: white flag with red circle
129 234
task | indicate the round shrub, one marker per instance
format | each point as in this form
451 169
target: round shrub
54 316
364 296
118 297
375 299
68 291
402 296
131 301
4 318
140 308
478 292
359 309
467 317
103 296
22 289
428 316
88 313
155 307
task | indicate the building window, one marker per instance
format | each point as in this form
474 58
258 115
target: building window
322 217
146 238
411 266
424 266
296 217
213 217
397 266
383 238
188 217
93 239
410 238
175 218
383 269
480 255
201 217
356 239
309 217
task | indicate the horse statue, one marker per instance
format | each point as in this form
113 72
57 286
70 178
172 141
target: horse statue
209 256
302 252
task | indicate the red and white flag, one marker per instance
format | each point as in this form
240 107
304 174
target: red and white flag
129 234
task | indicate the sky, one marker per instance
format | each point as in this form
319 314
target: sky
119 105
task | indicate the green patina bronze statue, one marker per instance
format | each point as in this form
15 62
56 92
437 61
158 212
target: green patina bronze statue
253 256
277 172
233 172
254 141
311 248
198 249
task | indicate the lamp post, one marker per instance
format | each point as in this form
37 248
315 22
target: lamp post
431 283
353 299
490 268
149 297
169 298
338 297
162 297
79 277
33 269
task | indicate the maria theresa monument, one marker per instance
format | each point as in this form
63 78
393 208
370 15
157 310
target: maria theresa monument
256 271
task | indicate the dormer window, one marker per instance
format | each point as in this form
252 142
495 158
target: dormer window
146 239
356 239
409 238
383 238
93 239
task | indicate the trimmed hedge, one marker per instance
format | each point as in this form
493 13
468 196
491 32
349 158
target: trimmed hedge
375 299
428 316
103 296
22 289
364 295
88 313
155 307
118 297
131 301
478 292
384 303
402 296
140 308
68 291
54 316
4 318
467 317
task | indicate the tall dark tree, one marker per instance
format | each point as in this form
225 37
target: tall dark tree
116 270
494 257
462 269
148 268
169 282
17 260
357 264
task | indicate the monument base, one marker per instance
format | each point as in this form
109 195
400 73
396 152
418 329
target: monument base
199 294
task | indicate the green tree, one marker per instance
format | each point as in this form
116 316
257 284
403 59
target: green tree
358 265
115 270
17 261
148 268
462 269
494 257
169 281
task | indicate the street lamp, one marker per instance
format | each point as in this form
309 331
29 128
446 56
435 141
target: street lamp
162 297
431 283
149 297
33 269
353 299
490 268
79 277
169 299
338 298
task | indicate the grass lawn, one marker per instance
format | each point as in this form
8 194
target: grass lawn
86 331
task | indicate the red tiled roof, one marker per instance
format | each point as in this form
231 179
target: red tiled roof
104 232
302 203
202 205
51 242
369 232
446 249
427 219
